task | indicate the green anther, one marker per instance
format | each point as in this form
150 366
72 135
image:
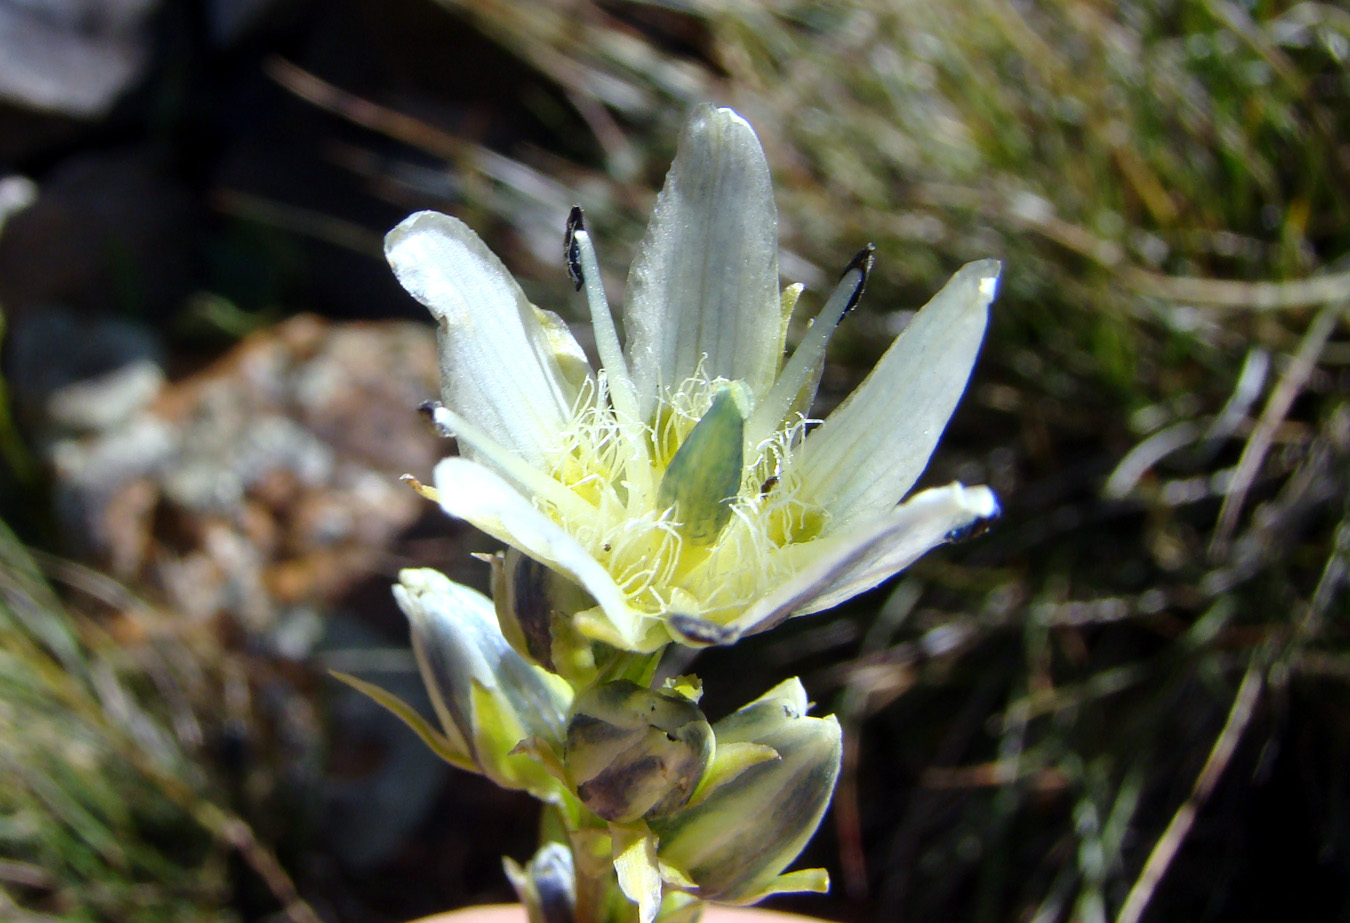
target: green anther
704 476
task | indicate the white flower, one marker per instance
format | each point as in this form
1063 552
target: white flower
678 485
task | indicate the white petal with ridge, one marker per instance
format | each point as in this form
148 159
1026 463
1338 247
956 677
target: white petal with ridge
835 568
507 367
705 280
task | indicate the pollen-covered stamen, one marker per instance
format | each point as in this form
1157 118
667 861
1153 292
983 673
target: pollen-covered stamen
642 557
644 541
704 476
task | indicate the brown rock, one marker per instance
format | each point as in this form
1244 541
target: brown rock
267 481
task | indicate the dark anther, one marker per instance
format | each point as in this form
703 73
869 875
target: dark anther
571 253
862 263
428 409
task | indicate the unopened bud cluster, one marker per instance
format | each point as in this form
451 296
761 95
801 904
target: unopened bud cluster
692 809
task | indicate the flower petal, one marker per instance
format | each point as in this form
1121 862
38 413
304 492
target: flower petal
869 452
736 841
458 642
506 366
846 563
704 285
470 491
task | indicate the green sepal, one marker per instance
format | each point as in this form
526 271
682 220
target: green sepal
451 749
730 760
813 881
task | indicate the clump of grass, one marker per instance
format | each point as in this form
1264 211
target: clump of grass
98 800
105 814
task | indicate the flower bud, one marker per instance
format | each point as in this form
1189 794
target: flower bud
734 841
633 752
486 696
534 606
547 885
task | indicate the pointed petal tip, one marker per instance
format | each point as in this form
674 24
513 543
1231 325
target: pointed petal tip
707 114
988 273
703 290
980 504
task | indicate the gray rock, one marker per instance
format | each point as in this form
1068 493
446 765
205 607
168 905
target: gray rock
73 57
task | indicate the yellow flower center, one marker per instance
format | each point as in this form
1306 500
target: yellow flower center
617 466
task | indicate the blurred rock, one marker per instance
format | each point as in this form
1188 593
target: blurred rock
255 504
265 483
108 229
72 57
72 374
